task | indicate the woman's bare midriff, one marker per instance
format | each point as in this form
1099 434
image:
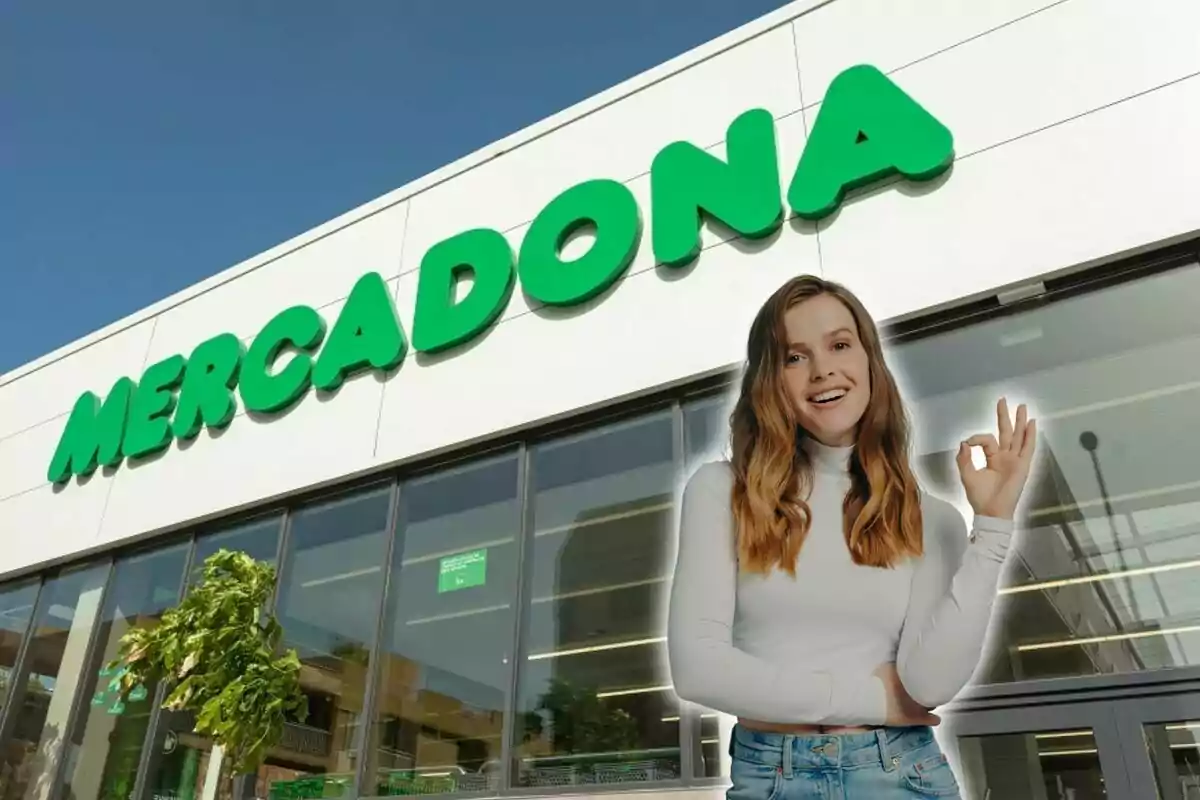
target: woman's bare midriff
777 727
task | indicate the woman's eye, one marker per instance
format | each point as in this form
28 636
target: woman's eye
841 346
793 358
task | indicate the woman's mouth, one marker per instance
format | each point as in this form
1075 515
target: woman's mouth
828 398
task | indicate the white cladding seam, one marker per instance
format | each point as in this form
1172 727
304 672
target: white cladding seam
109 488
651 77
396 301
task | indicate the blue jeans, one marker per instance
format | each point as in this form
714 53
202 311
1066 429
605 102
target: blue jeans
884 764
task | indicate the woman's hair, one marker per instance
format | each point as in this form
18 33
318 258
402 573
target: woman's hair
881 515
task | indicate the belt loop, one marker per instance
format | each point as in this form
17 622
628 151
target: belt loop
789 742
884 757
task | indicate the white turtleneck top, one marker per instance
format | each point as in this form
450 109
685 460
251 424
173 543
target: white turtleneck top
779 649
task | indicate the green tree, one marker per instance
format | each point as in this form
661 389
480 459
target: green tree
218 653
581 722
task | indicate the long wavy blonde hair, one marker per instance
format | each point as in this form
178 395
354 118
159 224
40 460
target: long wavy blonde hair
773 472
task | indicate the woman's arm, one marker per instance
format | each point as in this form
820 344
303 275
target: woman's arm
950 607
706 667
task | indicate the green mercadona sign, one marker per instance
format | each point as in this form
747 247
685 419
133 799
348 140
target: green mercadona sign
867 130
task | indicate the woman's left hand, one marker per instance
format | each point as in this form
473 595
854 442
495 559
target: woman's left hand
995 490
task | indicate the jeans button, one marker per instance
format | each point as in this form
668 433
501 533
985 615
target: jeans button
895 761
830 749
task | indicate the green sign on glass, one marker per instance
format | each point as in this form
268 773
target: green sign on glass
462 571
867 130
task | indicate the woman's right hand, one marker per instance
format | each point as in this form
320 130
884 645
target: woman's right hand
902 710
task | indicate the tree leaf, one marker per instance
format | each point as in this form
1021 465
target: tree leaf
218 649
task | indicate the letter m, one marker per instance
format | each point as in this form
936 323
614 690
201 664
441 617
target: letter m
93 434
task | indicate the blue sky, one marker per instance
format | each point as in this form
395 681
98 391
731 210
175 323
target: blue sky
147 145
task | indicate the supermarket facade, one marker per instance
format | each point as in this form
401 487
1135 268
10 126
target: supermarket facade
456 418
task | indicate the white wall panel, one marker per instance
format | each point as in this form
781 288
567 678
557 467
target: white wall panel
52 390
319 439
316 274
47 523
1073 58
619 141
790 135
891 33
25 456
646 331
1102 184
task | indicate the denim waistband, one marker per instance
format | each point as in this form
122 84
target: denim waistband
827 750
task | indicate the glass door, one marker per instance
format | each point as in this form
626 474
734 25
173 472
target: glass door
1160 737
1051 751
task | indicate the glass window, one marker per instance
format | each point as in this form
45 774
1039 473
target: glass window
106 744
1174 749
706 429
258 539
182 760
706 438
1105 575
42 695
447 650
16 609
594 698
329 604
1017 766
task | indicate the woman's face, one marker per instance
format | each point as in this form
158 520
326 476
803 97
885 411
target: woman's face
826 369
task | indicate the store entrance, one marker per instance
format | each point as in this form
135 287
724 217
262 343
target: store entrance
1133 748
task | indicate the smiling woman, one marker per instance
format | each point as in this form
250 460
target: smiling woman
477 529
819 595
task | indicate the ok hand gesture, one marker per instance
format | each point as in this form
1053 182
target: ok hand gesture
994 490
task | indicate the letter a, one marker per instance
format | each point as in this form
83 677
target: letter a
367 334
866 130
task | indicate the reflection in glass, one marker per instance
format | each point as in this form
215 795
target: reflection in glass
594 695
106 744
1174 749
1105 574
259 540
1054 765
16 609
181 759
329 603
42 695
447 645
706 430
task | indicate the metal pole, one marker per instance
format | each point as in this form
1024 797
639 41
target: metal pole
363 740
285 541
524 579
17 679
688 728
